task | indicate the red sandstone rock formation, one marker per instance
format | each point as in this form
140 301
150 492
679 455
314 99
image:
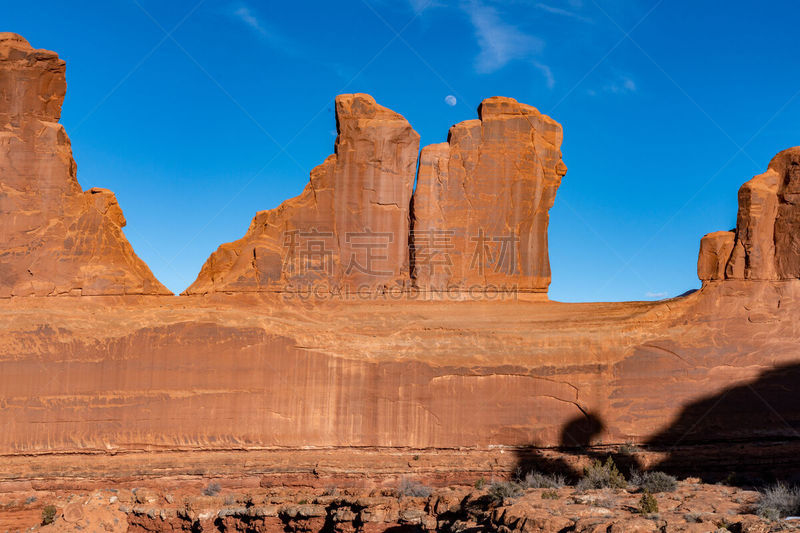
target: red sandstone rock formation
767 240
54 237
252 382
715 250
480 210
348 229
481 207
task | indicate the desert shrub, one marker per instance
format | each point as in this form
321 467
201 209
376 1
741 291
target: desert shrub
500 490
550 494
602 475
480 483
648 504
30 499
778 501
413 489
654 482
629 448
49 514
537 480
606 500
212 489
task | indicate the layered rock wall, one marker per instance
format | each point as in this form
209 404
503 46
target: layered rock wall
55 238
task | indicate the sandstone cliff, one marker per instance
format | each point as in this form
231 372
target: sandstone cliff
349 227
766 242
55 238
251 382
481 207
479 214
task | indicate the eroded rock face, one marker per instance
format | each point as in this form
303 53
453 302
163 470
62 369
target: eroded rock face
482 201
349 227
715 250
55 238
767 237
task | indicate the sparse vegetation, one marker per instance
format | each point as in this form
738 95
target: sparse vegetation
629 448
480 483
550 494
602 475
49 514
212 489
501 490
654 482
778 501
648 504
413 489
607 501
537 480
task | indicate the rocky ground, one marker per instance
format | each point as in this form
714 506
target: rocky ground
692 507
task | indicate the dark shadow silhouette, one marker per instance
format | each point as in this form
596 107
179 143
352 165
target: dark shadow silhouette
577 438
747 434
581 431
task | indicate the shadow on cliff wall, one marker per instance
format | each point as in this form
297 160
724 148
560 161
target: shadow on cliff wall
575 445
746 434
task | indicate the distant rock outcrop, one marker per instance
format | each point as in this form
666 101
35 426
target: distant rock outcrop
55 238
349 227
478 217
765 244
481 207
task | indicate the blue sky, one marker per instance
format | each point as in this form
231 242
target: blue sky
198 115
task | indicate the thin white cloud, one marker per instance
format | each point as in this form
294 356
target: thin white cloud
629 85
499 42
621 85
547 73
245 15
656 294
554 10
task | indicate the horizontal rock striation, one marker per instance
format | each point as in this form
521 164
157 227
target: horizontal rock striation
55 238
